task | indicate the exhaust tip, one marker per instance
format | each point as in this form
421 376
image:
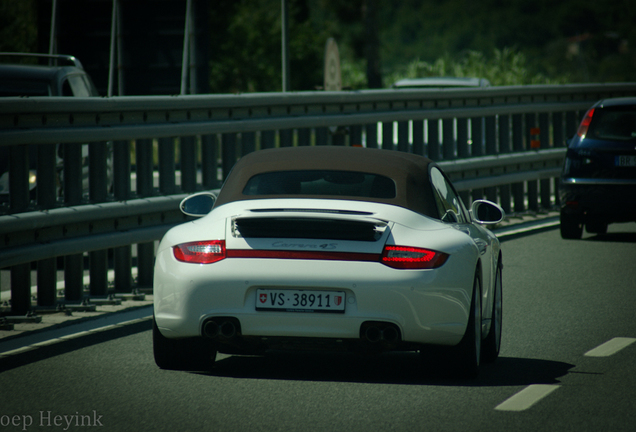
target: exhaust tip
373 334
380 332
390 334
211 329
228 330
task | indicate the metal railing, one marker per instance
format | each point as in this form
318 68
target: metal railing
502 143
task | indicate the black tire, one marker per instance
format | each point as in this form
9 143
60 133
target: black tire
468 351
571 227
182 354
492 344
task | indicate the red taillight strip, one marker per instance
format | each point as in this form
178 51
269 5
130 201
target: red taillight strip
200 252
407 257
398 257
309 255
585 123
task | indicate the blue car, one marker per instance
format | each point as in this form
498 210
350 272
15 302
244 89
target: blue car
598 182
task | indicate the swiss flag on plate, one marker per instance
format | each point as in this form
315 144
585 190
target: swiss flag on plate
263 297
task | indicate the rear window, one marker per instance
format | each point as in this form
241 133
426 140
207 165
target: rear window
321 182
617 123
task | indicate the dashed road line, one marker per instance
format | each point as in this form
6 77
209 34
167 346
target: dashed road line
526 397
610 347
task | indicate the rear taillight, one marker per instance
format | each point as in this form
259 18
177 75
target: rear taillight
585 123
407 257
200 252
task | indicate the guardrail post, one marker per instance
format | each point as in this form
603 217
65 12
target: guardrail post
209 161
491 149
98 161
97 172
533 190
166 166
387 135
517 146
558 131
98 270
268 139
504 148
46 176
248 141
286 137
546 192
144 168
477 148
462 138
477 136
123 266
322 136
355 136
371 131
448 139
20 289
403 136
228 153
74 278
145 264
463 150
18 178
433 139
73 176
47 282
418 137
122 255
121 162
188 164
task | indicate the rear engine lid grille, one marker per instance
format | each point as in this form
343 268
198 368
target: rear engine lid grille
307 228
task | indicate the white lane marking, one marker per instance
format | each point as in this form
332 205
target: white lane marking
526 397
610 347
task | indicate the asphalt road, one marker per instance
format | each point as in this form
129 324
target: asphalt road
562 300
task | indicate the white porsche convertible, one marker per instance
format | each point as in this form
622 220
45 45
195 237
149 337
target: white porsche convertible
330 248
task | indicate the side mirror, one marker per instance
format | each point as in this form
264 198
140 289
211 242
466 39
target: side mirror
198 205
486 212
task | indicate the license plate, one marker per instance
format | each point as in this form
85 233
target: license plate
291 300
626 161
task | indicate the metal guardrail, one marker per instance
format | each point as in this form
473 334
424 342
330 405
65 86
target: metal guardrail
483 139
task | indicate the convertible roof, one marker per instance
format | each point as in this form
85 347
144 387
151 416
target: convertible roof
408 171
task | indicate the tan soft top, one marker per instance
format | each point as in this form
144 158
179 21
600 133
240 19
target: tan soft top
409 172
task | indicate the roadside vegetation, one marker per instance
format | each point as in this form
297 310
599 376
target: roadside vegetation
380 41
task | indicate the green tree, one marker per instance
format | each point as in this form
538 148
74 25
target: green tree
18 28
246 46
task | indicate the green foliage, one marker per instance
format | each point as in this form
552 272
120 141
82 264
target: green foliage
246 47
18 32
504 67
353 74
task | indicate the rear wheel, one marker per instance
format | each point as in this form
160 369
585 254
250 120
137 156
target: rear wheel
571 227
492 343
182 354
468 351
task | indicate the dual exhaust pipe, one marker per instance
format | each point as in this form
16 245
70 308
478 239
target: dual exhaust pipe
373 332
221 328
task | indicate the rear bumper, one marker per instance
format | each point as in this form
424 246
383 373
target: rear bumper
427 306
607 199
